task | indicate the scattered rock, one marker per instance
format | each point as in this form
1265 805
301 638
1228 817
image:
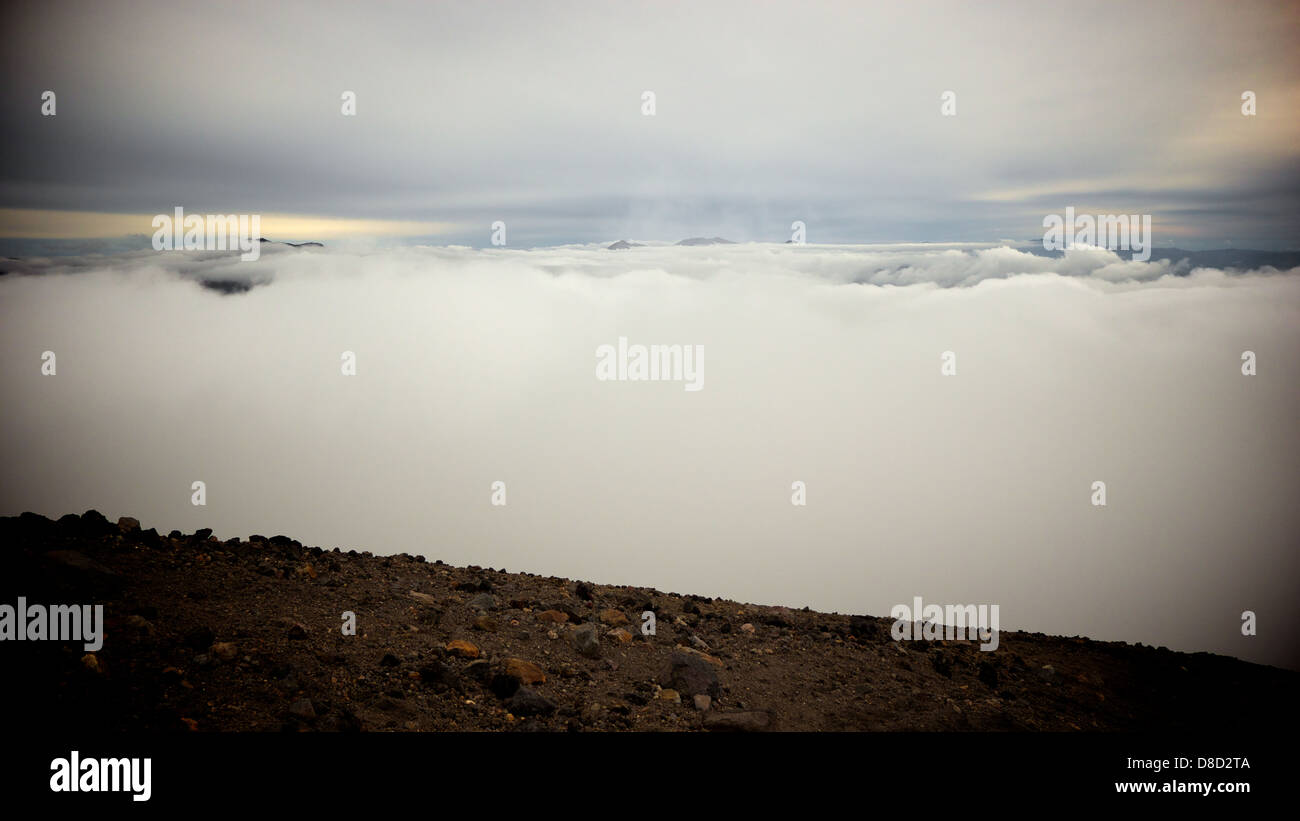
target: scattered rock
716 662
752 721
162 662
483 602
586 641
613 617
525 672
462 649
692 674
528 702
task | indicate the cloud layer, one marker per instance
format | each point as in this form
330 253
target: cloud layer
822 366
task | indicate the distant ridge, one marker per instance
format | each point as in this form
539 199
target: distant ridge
706 241
294 244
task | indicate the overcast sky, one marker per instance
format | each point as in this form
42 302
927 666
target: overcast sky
531 113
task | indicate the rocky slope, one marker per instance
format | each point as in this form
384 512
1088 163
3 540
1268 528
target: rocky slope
247 634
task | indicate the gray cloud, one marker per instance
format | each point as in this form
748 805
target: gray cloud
829 113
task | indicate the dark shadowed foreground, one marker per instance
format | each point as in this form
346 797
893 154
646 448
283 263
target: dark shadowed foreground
246 635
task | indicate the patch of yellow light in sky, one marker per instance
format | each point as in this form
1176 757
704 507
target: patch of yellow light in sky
29 223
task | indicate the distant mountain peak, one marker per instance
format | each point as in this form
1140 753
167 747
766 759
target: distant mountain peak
706 241
293 244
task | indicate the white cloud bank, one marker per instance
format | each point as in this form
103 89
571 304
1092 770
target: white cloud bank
478 366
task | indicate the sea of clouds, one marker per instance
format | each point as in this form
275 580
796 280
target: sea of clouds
821 365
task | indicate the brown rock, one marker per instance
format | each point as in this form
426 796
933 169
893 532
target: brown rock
691 674
525 672
224 650
462 648
715 661
620 634
613 617
553 616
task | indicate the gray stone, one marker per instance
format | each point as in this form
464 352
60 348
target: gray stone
586 640
484 602
692 675
528 702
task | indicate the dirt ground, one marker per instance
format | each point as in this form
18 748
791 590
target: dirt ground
248 635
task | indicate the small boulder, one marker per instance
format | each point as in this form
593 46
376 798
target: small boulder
753 721
528 702
692 674
586 641
483 602
613 617
462 649
525 672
